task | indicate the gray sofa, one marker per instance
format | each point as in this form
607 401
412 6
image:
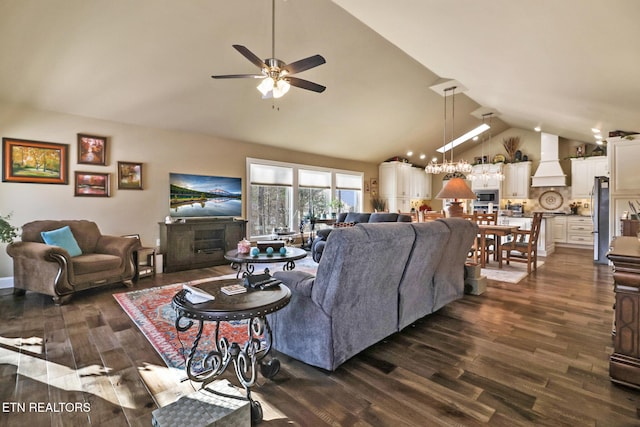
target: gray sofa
349 218
372 281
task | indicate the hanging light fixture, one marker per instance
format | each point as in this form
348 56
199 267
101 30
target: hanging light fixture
485 172
462 166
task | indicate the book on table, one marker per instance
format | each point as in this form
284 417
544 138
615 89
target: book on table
233 289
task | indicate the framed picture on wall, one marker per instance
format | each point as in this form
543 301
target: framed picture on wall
92 184
92 150
34 161
129 176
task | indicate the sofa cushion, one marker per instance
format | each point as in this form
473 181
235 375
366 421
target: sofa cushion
94 263
85 232
383 217
62 237
356 217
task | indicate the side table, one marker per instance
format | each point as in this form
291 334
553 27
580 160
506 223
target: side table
244 263
253 305
145 261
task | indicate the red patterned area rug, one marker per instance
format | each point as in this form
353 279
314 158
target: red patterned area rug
151 311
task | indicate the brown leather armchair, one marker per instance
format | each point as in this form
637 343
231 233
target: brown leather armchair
50 270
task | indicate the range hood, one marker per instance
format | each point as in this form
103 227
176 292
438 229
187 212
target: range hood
549 173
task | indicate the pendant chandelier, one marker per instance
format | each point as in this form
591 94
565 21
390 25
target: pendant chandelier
449 167
484 172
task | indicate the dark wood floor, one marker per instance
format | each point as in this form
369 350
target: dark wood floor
532 353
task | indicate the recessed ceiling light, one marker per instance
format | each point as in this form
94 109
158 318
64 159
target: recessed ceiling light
595 130
409 153
537 128
597 136
423 156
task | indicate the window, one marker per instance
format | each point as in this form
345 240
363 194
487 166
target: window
270 196
349 192
286 195
314 193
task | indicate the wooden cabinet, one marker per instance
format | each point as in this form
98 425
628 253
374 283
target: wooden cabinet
559 229
583 171
492 183
624 363
199 243
420 184
517 180
579 230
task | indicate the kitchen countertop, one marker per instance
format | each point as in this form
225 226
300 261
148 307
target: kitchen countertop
548 215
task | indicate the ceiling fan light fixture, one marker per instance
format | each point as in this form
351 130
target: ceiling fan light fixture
273 71
266 86
281 87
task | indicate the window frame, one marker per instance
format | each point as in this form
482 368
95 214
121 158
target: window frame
295 197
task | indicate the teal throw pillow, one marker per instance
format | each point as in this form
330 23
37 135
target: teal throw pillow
62 237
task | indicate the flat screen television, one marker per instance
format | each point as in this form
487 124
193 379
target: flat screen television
204 196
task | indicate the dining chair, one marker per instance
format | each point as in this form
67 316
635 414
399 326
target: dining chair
524 245
474 251
432 215
490 240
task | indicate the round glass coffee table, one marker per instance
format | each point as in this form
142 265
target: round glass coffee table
244 263
206 365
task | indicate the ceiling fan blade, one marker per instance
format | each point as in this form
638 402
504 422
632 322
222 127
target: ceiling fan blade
250 56
305 84
304 64
239 76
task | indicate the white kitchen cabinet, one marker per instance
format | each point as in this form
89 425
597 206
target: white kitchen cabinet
420 184
395 185
517 180
624 159
559 229
523 222
583 171
492 183
624 186
395 179
579 230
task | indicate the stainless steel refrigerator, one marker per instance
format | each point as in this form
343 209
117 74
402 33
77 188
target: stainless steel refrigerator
600 218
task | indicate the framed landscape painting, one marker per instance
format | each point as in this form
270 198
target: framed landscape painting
92 184
129 176
92 150
34 161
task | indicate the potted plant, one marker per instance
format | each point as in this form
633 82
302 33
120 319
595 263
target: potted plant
379 205
7 231
336 206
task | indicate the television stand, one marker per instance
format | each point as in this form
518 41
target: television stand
199 243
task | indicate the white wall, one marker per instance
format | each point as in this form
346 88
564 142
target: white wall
160 151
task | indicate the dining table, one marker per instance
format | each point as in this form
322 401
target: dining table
498 231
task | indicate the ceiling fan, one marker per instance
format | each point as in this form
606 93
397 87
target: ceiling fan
276 75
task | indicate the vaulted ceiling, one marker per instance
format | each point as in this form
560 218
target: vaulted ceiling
565 65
